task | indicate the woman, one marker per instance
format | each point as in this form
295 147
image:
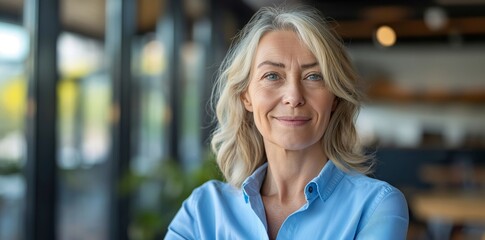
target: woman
286 143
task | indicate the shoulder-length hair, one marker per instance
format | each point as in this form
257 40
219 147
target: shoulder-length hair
237 143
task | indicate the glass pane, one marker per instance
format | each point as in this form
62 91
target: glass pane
151 117
13 91
152 112
193 59
84 99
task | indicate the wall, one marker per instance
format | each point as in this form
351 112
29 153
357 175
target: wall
423 70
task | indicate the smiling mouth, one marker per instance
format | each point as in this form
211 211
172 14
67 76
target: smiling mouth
293 120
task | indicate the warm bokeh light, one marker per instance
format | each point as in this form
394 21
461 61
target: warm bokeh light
152 59
386 36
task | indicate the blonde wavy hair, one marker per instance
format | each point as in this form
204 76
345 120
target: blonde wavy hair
236 141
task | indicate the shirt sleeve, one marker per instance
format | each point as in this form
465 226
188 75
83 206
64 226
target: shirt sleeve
183 226
389 220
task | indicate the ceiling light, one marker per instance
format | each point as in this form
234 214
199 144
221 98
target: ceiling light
435 18
385 36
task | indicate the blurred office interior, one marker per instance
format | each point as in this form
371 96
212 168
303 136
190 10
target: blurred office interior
105 119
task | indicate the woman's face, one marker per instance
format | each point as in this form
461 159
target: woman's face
287 95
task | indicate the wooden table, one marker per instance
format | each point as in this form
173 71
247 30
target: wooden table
444 211
458 207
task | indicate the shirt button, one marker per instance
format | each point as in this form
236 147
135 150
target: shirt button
310 189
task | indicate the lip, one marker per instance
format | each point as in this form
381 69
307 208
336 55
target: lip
293 120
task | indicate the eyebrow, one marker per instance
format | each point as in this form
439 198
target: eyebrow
275 64
281 65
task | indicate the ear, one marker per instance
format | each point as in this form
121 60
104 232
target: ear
247 101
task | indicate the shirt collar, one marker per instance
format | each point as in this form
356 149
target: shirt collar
326 181
252 185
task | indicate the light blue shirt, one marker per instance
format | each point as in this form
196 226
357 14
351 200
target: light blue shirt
339 205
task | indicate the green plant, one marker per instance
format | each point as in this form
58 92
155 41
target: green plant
175 185
9 166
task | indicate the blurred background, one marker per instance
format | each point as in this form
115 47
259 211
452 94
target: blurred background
104 115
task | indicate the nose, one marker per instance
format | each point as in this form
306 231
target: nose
293 94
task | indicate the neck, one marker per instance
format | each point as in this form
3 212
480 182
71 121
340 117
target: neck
289 171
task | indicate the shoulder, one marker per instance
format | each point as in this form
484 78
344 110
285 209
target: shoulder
378 196
214 191
363 184
373 192
384 210
214 186
198 211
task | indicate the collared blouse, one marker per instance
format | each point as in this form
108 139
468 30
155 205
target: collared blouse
339 205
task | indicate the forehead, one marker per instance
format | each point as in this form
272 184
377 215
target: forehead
282 46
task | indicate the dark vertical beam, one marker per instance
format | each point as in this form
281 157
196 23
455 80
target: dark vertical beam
42 22
170 30
215 47
120 27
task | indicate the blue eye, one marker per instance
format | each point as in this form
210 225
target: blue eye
314 77
271 76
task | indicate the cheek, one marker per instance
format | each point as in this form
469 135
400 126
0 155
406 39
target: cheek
262 104
326 105
262 98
